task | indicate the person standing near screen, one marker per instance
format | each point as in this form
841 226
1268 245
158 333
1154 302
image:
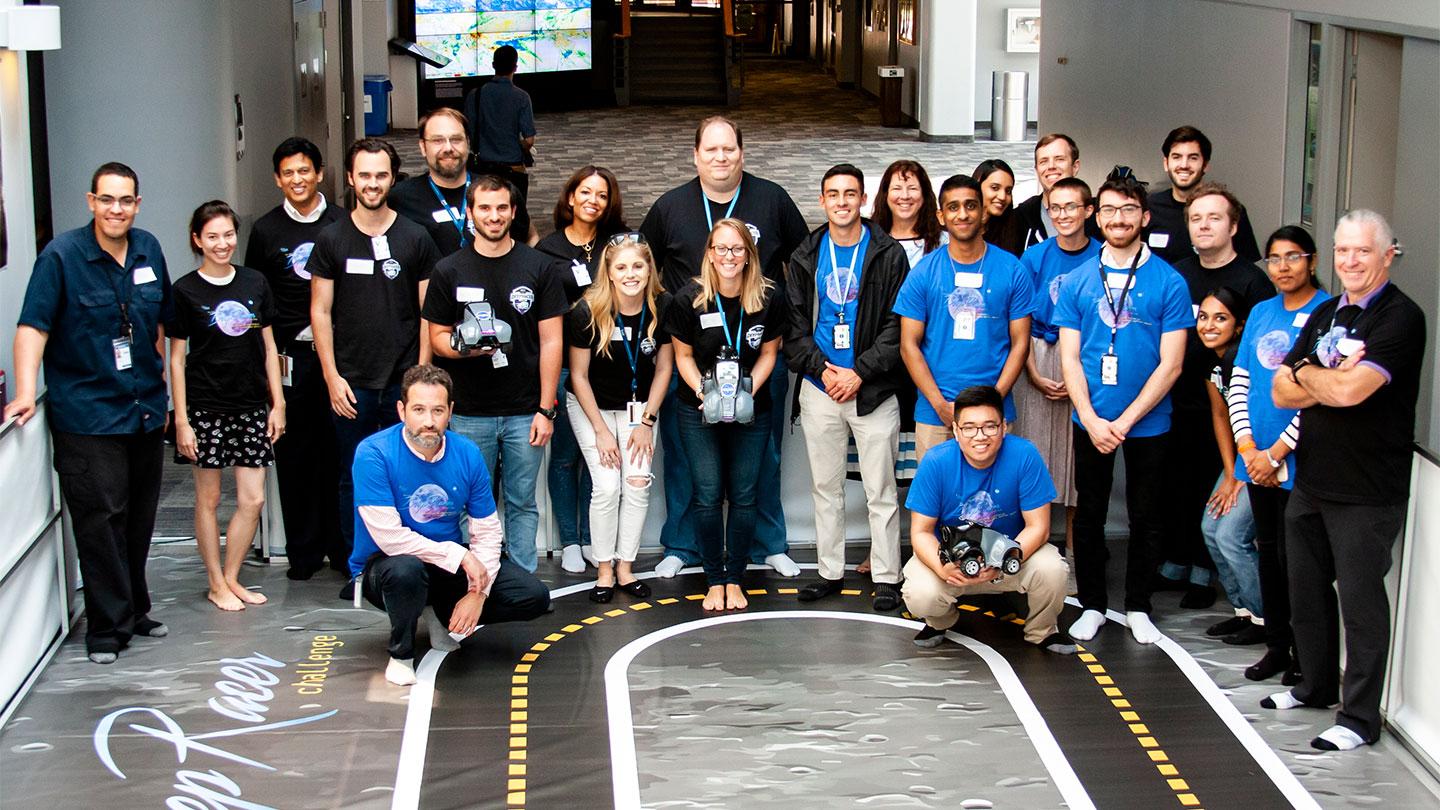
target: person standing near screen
502 126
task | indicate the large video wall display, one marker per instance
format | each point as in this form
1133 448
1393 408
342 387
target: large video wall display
550 35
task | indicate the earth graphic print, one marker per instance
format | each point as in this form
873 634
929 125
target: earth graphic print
980 508
429 502
1328 347
1107 315
232 318
1271 348
299 258
841 287
1055 287
962 298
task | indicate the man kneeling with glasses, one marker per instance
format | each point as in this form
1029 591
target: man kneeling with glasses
984 477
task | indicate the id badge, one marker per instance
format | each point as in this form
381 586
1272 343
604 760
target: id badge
498 359
1110 369
633 412
581 273
380 245
287 367
121 347
965 324
841 337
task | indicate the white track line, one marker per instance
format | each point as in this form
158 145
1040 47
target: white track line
411 770
624 766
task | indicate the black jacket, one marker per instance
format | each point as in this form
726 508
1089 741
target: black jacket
877 331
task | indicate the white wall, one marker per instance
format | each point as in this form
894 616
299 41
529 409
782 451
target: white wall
1412 703
990 56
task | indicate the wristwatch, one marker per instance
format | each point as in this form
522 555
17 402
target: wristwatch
1296 366
649 419
548 413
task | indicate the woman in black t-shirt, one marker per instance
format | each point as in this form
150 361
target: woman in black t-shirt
1003 227
588 213
729 313
620 364
221 389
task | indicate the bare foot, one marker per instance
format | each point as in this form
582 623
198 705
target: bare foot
715 598
864 566
225 600
247 596
735 598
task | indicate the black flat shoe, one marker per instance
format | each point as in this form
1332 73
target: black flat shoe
1198 597
887 597
602 594
1274 663
636 588
1292 676
819 589
1251 633
1234 624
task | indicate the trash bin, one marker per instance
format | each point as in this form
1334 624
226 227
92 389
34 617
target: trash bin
892 79
377 104
1009 103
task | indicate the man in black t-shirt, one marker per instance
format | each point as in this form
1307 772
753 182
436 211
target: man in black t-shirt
1056 157
1186 158
280 245
370 271
1354 372
505 396
678 228
1212 217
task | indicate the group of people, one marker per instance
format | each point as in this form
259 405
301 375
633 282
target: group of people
405 363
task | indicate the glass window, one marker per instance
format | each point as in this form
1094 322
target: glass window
1312 125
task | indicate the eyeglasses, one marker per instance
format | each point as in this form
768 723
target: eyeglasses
1288 258
724 252
1126 211
1068 208
627 238
989 429
106 201
440 140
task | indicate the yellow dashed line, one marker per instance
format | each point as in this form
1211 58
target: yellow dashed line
1167 770
592 620
520 703
519 716
1148 742
787 591
615 612
1158 756
756 592
520 679
570 628
515 799
555 637
970 608
1104 680
1138 728
515 784
1189 799
1098 669
1177 784
669 600
641 606
530 656
1018 621
694 597
849 592
1088 658
517 770
540 646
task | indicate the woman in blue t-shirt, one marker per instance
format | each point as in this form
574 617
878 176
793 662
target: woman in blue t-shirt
1265 436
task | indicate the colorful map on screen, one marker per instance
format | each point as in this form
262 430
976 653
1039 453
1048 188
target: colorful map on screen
550 35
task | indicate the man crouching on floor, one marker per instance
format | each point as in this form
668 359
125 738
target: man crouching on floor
413 482
984 476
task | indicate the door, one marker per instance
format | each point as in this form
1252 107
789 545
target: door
1370 117
317 86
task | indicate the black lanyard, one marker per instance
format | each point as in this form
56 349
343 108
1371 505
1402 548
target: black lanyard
1115 309
450 212
126 330
632 355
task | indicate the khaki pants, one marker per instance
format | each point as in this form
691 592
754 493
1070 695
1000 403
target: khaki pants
928 436
1041 578
828 425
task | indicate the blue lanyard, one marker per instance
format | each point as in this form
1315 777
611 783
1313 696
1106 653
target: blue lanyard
835 267
633 355
705 203
725 324
465 212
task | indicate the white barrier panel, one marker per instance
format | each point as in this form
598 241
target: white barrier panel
1413 704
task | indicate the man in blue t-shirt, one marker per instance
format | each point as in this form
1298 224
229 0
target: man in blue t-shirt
413 483
1123 324
988 478
964 316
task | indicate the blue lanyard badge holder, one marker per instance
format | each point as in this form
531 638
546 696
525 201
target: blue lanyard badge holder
1110 362
726 391
634 409
459 218
840 332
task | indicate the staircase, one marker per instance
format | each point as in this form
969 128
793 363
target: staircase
677 59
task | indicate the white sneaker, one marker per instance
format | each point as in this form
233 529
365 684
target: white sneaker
1087 625
1142 628
571 560
400 672
440 638
589 555
669 567
783 565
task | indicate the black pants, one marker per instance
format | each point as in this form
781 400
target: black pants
1192 463
1347 545
305 464
403 585
1094 476
1268 506
111 485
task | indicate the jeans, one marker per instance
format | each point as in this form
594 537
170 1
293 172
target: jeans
723 460
617 505
1231 541
1144 491
374 410
403 585
568 476
505 443
1267 504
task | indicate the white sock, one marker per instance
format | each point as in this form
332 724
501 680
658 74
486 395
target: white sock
783 565
1142 628
1285 700
440 638
1256 620
400 672
571 560
1087 625
1341 737
588 553
669 567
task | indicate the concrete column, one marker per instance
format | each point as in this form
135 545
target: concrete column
947 70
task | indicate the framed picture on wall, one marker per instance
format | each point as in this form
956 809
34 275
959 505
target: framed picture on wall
1022 30
877 15
905 21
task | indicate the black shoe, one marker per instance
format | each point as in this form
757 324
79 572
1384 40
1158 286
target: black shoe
637 589
1060 643
819 589
1160 582
1292 676
1198 597
887 597
1252 633
1234 624
929 637
300 572
151 629
1274 663
601 594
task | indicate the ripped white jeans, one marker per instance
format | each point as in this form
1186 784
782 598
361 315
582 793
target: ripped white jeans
617 503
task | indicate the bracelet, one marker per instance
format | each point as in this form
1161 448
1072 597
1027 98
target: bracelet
1273 463
1245 445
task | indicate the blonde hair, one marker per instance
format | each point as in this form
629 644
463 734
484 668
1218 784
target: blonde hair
753 284
603 301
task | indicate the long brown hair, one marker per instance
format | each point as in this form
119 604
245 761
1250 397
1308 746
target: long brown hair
604 302
611 221
753 284
927 224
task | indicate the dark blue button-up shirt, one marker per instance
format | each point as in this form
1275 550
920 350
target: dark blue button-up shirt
75 295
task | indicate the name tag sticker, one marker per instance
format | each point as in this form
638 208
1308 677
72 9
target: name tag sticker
144 275
442 215
971 280
1348 346
381 247
1300 319
1159 240
360 267
1116 281
581 273
622 334
710 320
465 295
